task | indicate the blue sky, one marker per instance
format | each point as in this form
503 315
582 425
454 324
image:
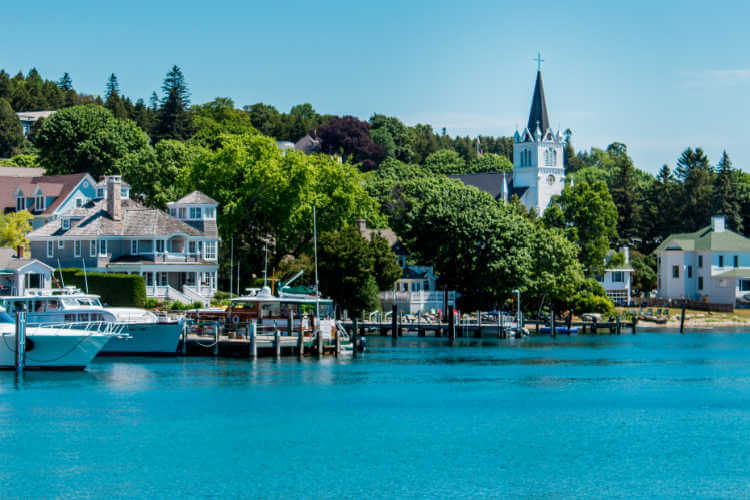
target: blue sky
658 76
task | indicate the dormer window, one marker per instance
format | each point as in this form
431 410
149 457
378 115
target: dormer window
66 223
195 213
124 192
173 212
39 202
20 203
182 213
99 193
79 202
209 213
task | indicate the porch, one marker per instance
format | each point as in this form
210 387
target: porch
414 302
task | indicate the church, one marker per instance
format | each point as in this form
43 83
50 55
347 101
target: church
538 171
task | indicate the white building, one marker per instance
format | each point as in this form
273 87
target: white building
711 265
538 168
417 291
19 275
28 118
616 279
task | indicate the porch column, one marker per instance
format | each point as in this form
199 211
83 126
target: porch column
153 281
198 282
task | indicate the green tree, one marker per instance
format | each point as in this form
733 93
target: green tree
14 226
11 131
644 275
727 193
625 192
267 120
445 161
555 272
66 82
113 101
490 162
385 130
219 117
590 220
174 120
697 176
385 263
87 139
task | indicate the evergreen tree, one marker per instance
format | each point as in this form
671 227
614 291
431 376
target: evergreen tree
661 215
624 192
113 87
65 82
726 194
11 132
113 101
697 176
153 101
174 120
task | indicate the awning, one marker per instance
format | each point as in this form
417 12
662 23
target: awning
734 273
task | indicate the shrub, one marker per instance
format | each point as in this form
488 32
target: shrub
120 290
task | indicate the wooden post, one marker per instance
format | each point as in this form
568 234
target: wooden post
354 337
552 321
593 326
20 355
216 338
451 327
254 340
319 341
682 318
569 321
276 341
617 324
290 323
633 322
185 328
338 342
394 322
537 326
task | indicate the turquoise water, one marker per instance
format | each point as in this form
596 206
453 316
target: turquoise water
648 415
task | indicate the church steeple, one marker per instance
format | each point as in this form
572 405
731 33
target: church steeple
538 115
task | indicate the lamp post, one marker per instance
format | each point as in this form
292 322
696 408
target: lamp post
518 307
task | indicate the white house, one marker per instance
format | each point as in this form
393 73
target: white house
616 279
19 275
711 265
28 118
417 291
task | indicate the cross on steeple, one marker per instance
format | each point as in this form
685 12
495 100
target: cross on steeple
539 61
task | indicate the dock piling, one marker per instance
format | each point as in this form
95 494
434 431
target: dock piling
20 355
682 318
552 321
451 327
276 341
354 338
253 340
216 338
394 322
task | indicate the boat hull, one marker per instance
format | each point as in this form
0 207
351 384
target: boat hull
52 348
145 339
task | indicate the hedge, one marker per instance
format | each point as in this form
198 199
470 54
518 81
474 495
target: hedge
117 290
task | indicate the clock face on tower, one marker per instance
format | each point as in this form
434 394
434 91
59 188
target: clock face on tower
550 179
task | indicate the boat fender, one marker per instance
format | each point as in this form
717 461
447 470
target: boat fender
235 319
29 345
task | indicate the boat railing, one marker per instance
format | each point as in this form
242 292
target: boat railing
102 327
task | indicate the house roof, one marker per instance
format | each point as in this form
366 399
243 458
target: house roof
734 273
492 183
706 239
196 197
308 145
207 227
9 260
58 186
538 114
21 172
32 116
136 220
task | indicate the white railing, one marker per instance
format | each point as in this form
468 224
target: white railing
105 327
195 296
157 291
420 296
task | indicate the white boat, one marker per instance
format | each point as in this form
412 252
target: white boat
141 332
52 348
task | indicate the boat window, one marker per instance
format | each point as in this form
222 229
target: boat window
95 302
19 305
53 305
69 318
39 305
67 301
83 317
5 317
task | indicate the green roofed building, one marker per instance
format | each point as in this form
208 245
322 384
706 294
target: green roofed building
710 265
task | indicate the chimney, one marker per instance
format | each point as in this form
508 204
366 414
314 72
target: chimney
625 250
114 204
718 223
19 251
362 225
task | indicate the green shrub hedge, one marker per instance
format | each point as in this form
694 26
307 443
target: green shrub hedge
119 290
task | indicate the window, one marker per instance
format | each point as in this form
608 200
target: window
426 285
675 271
191 247
736 261
690 271
103 248
79 202
210 250
77 248
50 248
721 261
744 285
700 261
123 192
60 244
66 223
159 246
20 203
173 212
195 212
209 213
700 282
181 213
100 193
618 277
39 203
92 248
405 287
133 247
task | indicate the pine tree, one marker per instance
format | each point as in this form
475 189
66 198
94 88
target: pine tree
726 195
697 176
113 87
11 132
153 102
174 120
65 82
624 194
113 101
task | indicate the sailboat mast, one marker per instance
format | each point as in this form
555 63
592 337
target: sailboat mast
315 250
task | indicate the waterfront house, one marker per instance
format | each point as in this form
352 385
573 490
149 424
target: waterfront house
417 289
176 254
711 265
617 276
19 275
46 197
28 118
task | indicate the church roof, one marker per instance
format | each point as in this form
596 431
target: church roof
489 182
538 114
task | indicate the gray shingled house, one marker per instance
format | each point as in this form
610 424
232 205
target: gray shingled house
177 254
